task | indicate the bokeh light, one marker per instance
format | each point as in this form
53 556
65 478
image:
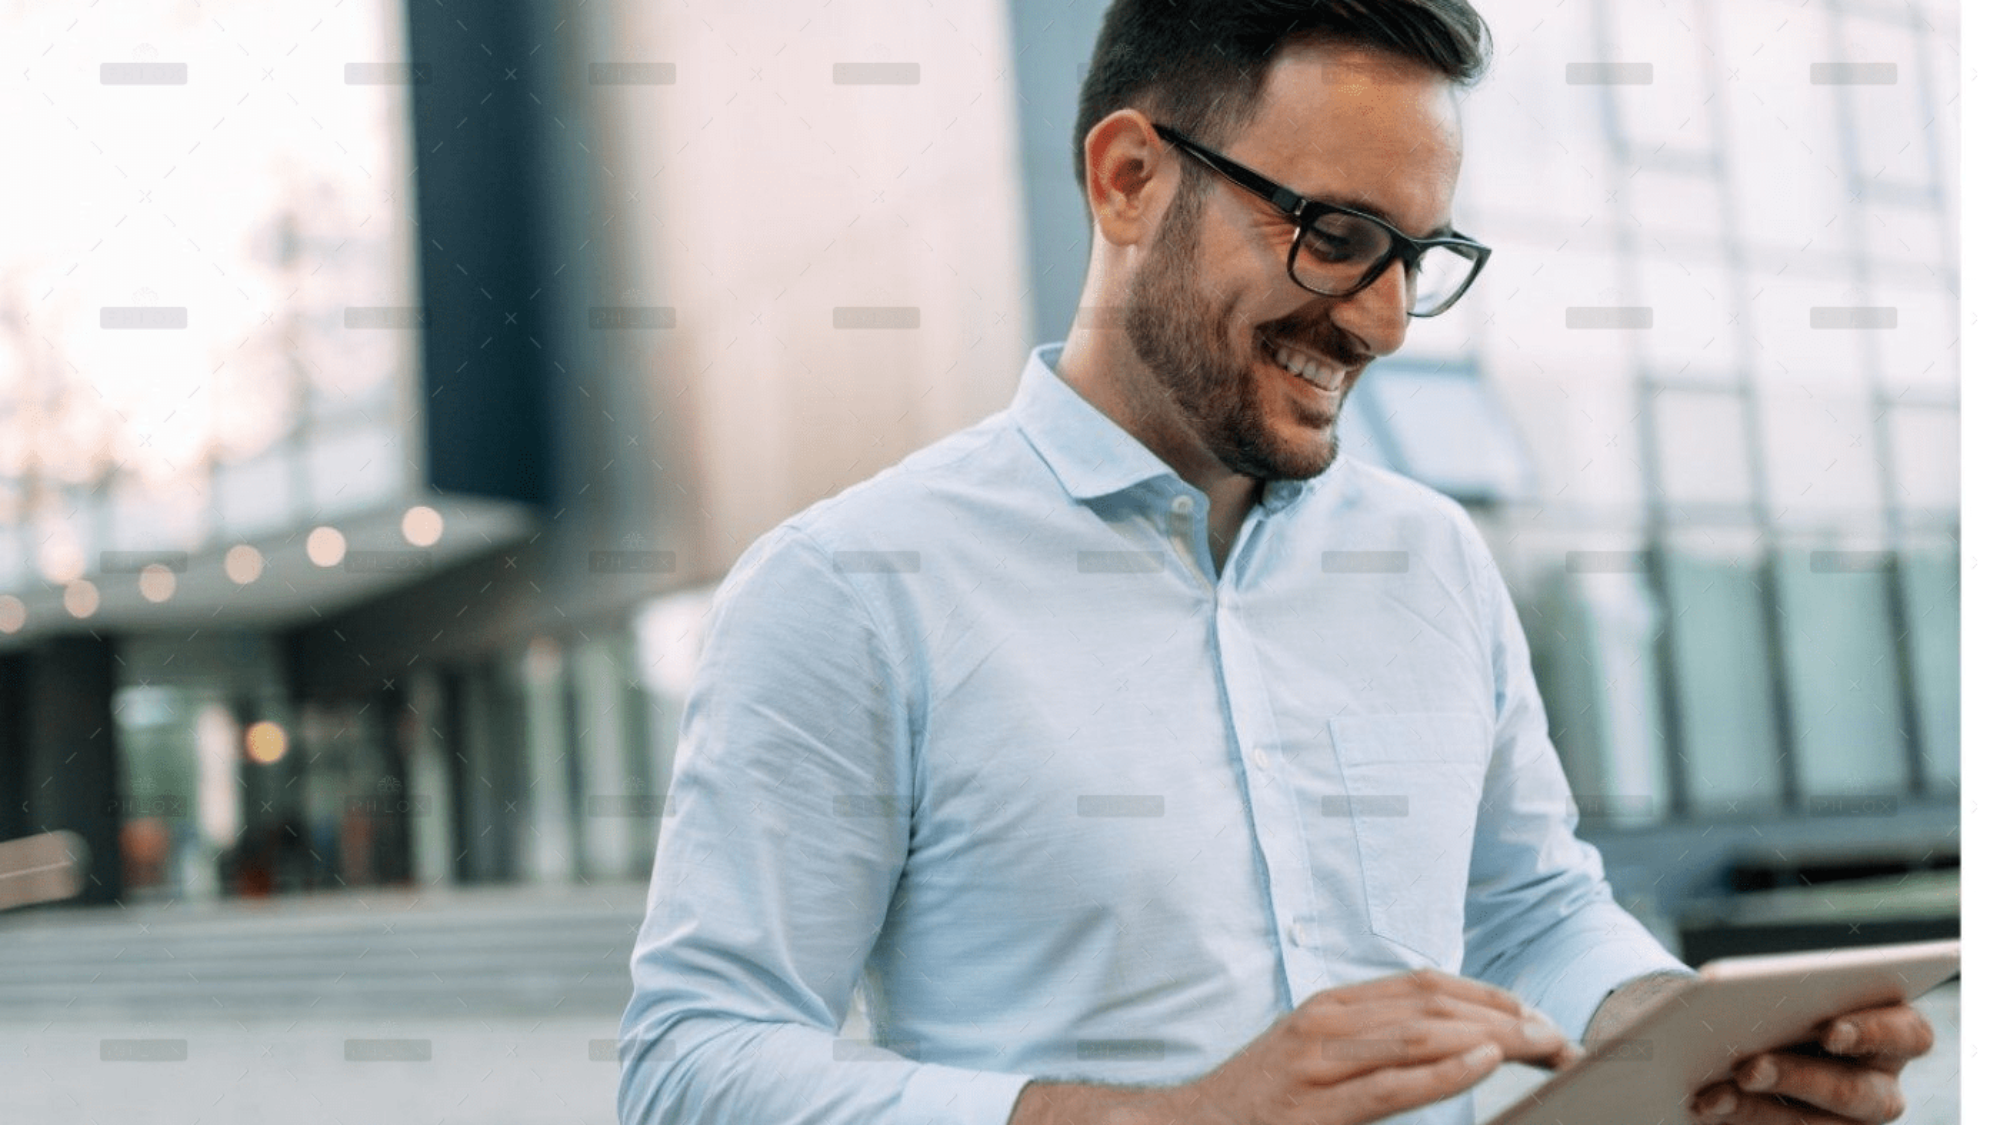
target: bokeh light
243 564
326 546
80 598
60 557
423 526
156 583
265 742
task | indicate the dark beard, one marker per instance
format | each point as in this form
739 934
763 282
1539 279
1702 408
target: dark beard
1178 335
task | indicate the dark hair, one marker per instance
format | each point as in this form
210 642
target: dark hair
1199 65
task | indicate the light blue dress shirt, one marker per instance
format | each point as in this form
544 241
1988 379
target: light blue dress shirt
991 735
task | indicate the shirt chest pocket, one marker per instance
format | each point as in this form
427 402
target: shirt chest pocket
1413 784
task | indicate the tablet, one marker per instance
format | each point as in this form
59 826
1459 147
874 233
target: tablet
44 868
1738 1006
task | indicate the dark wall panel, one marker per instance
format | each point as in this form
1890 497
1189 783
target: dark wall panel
481 203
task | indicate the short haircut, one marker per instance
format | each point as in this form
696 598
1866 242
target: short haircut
1199 65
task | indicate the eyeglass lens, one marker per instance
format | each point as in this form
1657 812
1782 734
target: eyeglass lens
1339 250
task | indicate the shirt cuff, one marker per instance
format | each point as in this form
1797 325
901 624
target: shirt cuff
950 1095
1569 982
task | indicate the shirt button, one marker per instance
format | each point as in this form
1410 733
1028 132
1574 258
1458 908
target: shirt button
1262 759
1297 932
1183 505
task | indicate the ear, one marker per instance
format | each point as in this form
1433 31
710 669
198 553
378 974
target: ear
1129 175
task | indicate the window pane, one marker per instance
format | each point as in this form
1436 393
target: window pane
1357 433
1723 661
1790 352
1930 589
1941 15
1573 428
1595 659
1530 291
1783 149
1528 116
1819 455
1704 448
16 565
156 516
1926 457
1695 315
275 195
157 751
1919 357
65 540
1450 431
1679 212
1672 110
1893 133
1591 435
255 497
1841 662
1909 236
1944 61
354 470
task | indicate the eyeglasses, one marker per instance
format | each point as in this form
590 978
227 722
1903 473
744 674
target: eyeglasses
1339 251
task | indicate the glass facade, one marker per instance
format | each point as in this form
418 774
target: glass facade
220 347
1761 191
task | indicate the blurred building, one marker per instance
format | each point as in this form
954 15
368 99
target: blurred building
414 407
353 459
1741 566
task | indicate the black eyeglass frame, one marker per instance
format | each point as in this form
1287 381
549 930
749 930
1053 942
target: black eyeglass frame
1304 213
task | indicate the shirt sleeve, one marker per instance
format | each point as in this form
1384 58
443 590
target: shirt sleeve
784 838
1540 919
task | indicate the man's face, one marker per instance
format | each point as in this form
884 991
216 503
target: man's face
1214 313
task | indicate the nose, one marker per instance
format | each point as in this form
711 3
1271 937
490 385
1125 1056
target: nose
1379 314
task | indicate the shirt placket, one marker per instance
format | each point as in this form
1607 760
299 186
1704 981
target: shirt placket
1273 807
1181 534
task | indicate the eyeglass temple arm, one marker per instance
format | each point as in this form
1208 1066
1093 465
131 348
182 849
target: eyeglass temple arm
1283 198
1291 202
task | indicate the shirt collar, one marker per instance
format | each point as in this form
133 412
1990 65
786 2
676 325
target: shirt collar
1094 456
1090 454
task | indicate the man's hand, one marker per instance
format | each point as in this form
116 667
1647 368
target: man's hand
1857 1083
1343 1057
1363 1052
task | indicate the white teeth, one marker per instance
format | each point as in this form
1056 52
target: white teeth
1304 366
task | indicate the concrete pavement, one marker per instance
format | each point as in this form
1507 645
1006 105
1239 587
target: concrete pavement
489 1007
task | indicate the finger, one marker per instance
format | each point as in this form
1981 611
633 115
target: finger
1346 1011
1739 1108
1533 1032
1433 1005
1837 1086
1394 1089
1402 1035
1893 1034
1424 982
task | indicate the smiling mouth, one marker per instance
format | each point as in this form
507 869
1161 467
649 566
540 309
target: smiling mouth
1313 368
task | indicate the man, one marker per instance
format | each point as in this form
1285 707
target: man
1099 744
